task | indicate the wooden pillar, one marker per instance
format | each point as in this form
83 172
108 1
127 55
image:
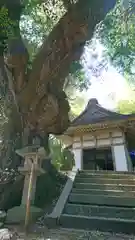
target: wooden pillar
120 158
78 158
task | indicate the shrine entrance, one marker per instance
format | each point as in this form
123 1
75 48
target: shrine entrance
98 159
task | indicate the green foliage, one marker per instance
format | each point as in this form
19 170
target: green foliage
49 187
4 21
126 106
5 26
11 186
117 33
76 77
77 104
38 19
62 158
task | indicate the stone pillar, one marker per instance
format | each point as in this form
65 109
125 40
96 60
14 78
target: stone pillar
78 158
120 158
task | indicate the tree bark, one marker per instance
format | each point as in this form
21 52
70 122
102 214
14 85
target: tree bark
49 109
64 45
38 100
13 126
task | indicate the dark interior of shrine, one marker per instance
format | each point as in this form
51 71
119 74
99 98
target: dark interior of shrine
98 159
130 143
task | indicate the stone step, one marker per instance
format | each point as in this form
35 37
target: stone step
101 200
106 173
105 180
125 187
97 223
106 176
99 211
105 192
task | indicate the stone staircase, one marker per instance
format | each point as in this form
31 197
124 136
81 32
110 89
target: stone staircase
103 201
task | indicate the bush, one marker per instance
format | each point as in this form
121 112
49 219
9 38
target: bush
11 186
49 187
62 158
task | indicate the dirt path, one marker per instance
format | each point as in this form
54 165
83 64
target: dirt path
64 234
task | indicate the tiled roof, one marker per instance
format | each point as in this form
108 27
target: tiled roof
95 113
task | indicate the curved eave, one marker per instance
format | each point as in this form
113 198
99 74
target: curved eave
89 117
72 130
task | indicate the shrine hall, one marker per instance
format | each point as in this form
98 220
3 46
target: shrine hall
101 139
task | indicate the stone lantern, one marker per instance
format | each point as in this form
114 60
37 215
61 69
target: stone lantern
32 155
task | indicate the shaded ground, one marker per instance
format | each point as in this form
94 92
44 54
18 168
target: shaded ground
63 234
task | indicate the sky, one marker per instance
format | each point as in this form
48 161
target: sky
110 86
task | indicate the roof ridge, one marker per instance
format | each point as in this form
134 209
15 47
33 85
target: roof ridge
94 113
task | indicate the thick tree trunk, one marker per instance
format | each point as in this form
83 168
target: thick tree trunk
12 128
12 141
64 45
38 101
49 109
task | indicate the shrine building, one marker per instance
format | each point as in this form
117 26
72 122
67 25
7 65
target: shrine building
101 139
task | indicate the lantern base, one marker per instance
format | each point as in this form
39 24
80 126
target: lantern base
17 214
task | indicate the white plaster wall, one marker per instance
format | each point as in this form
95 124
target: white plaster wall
117 133
89 144
117 140
76 145
120 158
103 142
104 138
87 137
78 158
103 135
76 139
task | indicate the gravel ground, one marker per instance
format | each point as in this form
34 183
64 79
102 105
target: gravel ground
64 234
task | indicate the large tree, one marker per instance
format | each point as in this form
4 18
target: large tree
36 104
